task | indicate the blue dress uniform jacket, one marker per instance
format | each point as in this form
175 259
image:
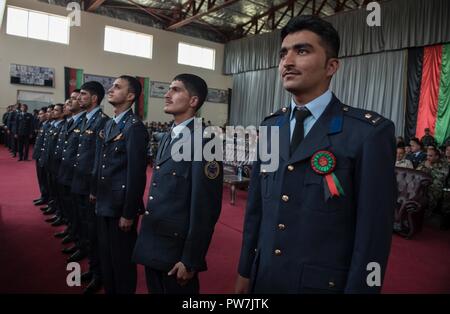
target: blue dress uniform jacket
51 148
47 136
184 204
11 122
69 152
57 153
120 168
40 140
295 239
24 124
85 157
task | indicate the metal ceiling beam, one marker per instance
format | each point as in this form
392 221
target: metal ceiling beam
320 7
93 5
270 13
152 12
134 8
197 16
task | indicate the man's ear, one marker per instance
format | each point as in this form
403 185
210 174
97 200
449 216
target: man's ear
194 102
94 98
332 66
131 97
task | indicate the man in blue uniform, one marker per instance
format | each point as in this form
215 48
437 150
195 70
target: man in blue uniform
50 163
90 97
321 222
65 173
24 131
44 125
11 128
120 172
184 202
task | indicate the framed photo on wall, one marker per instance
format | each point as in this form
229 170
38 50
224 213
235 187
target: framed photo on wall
158 89
31 75
217 95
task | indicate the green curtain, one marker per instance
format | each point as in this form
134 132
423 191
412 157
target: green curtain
442 130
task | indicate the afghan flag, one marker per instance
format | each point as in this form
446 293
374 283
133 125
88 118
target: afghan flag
141 106
73 79
428 98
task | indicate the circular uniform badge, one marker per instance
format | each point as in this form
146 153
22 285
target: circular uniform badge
212 170
323 162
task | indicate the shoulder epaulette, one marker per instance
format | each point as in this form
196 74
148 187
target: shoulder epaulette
370 117
277 113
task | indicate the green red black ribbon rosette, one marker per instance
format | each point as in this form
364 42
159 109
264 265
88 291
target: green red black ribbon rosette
323 163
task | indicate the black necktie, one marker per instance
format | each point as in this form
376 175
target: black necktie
299 133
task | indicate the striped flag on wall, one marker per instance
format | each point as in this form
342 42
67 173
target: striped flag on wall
141 106
428 98
73 79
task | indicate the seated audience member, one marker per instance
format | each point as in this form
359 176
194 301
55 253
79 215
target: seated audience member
427 139
438 170
401 161
447 153
407 149
416 155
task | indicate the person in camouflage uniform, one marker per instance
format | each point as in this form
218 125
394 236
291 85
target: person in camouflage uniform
446 192
438 169
401 160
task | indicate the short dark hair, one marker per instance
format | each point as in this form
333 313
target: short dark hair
401 145
50 107
328 34
435 149
416 140
195 85
134 86
58 105
44 109
76 90
94 88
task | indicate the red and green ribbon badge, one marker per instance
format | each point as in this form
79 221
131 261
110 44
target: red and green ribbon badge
324 162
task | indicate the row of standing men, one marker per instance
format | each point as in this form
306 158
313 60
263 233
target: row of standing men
19 127
92 174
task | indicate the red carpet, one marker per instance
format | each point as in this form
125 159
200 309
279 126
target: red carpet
31 262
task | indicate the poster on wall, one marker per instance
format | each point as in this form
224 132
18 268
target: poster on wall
31 75
217 95
106 81
158 89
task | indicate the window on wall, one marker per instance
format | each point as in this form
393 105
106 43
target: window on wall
196 56
38 25
128 42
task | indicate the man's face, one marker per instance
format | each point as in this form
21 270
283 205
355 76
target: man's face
400 154
119 93
407 149
23 108
414 146
66 109
427 131
447 152
432 157
49 114
85 99
74 104
178 100
303 63
57 113
42 116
